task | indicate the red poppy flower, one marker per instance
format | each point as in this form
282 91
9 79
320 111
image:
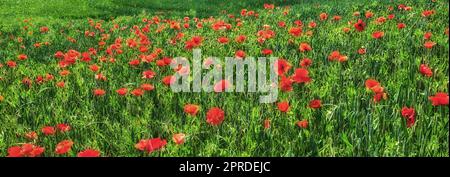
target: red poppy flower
427 13
240 54
15 151
143 49
381 20
425 70
301 75
370 83
27 82
377 89
312 24
64 73
100 76
379 96
346 30
323 16
168 80
194 42
337 18
369 14
99 92
220 25
306 62
377 34
362 51
63 147
335 55
266 34
43 29
150 145
360 25
266 52
298 23
286 83
409 115
315 104
215 116
439 99
59 55
63 127
183 70
147 87
22 57
283 106
178 138
94 68
222 86
401 25
304 47
269 6
302 123
427 35
26 150
134 62
137 92
49 77
191 109
374 86
39 80
149 74
391 16
86 57
31 135
429 44
11 64
160 63
48 130
295 31
122 91
89 153
31 150
282 66
241 38
223 40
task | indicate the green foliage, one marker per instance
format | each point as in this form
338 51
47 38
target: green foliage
348 124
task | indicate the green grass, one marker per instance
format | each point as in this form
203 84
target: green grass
348 124
13 11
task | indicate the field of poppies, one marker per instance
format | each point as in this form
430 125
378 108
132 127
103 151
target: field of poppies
93 78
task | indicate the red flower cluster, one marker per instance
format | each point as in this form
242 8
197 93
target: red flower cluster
26 150
425 70
376 88
191 109
194 42
283 106
215 116
440 99
89 153
315 104
63 147
360 25
150 145
337 56
410 115
303 123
